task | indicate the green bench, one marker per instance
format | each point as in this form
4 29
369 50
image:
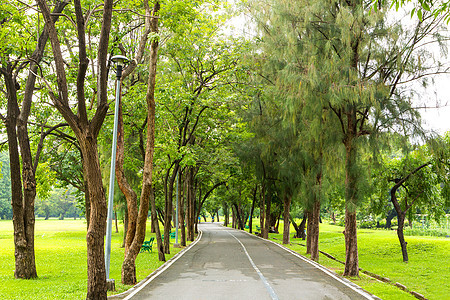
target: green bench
172 235
147 245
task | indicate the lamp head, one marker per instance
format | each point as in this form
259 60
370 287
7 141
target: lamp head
119 59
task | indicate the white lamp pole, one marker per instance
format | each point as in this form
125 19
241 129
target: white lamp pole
119 60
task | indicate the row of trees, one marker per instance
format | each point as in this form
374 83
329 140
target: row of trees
289 121
333 79
196 64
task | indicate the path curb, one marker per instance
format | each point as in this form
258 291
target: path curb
141 284
319 266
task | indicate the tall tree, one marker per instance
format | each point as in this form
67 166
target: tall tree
137 220
349 62
413 181
16 122
85 129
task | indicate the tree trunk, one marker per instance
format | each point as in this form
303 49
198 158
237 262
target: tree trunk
308 231
87 203
181 212
129 263
125 227
287 208
23 221
267 218
122 182
277 225
152 225
351 248
115 218
238 212
159 243
392 214
233 217
196 207
351 177
300 229
401 237
168 207
190 204
22 201
262 212
97 226
86 132
250 219
315 231
227 215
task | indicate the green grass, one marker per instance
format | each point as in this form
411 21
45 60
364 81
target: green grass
60 248
428 270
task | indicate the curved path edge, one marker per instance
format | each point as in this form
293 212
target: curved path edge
143 283
327 271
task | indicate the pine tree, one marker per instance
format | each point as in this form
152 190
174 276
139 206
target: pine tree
337 68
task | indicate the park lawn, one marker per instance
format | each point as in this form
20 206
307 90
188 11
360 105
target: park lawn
428 270
60 247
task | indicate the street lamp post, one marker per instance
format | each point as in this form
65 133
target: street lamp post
119 60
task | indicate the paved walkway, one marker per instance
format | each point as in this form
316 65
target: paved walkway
231 264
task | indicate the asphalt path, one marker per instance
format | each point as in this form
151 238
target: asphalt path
231 264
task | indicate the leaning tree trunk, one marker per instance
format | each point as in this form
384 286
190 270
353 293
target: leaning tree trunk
239 217
300 229
129 262
401 237
392 214
287 208
125 187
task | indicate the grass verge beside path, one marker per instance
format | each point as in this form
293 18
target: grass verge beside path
60 247
428 270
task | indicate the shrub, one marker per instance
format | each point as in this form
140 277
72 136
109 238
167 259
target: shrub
426 232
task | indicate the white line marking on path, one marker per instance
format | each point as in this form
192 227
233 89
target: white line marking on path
165 266
272 293
320 267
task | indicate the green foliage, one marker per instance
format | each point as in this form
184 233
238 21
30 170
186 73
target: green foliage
16 37
426 232
59 203
5 187
422 188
